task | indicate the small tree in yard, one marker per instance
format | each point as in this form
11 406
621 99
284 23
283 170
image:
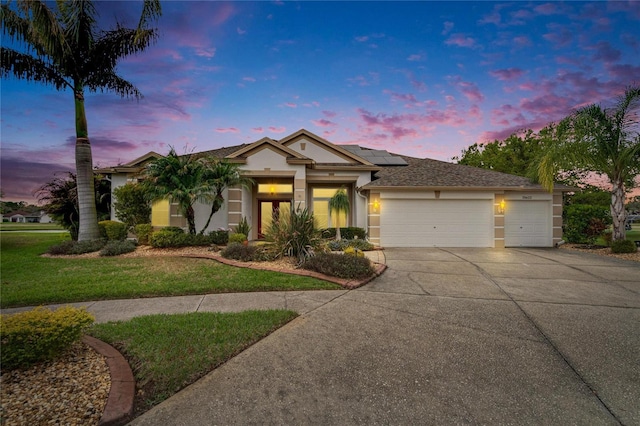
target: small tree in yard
131 205
339 204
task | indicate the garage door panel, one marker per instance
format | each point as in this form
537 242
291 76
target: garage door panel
436 223
528 224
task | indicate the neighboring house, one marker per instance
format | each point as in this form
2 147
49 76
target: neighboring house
401 201
27 217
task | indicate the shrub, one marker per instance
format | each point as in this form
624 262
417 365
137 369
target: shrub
585 223
89 246
173 229
239 251
237 238
339 265
220 237
243 227
113 230
143 232
40 334
170 238
363 245
349 233
623 246
76 247
350 251
294 234
164 238
114 248
61 249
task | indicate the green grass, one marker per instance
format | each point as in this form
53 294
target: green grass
30 279
633 234
13 226
169 352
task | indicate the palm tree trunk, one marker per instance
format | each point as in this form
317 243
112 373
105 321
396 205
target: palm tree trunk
215 206
191 219
88 229
618 213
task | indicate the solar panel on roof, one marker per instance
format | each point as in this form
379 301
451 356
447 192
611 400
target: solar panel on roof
379 157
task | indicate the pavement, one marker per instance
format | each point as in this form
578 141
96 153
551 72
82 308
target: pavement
444 336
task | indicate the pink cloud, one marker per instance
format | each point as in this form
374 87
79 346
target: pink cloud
329 114
469 90
547 9
460 40
257 130
605 52
447 27
559 35
291 105
362 39
522 41
323 123
277 129
416 57
403 97
249 79
507 74
227 130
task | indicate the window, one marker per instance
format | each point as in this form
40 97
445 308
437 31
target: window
325 218
275 188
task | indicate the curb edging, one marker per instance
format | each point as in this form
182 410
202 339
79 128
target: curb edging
119 407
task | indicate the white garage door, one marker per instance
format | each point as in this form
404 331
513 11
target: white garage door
436 223
527 224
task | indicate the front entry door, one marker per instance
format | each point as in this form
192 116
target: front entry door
270 210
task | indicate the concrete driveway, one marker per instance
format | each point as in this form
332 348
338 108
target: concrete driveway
444 336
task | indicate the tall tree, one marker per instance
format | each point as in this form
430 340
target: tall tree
339 204
65 49
605 141
220 174
178 178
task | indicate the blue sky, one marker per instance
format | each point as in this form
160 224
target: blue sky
425 79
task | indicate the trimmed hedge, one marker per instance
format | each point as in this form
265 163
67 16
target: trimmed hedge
143 232
40 334
340 265
76 247
623 246
115 248
113 230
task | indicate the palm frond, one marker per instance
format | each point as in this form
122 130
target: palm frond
27 67
150 10
109 81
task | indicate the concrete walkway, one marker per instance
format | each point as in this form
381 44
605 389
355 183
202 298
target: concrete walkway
444 336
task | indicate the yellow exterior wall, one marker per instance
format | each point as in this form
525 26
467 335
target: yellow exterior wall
160 213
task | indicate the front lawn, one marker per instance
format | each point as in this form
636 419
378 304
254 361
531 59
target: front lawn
170 352
30 279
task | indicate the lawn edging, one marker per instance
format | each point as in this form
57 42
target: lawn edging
119 408
379 268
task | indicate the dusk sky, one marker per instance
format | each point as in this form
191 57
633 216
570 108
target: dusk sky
425 79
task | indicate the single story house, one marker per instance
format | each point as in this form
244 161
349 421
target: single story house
401 201
23 216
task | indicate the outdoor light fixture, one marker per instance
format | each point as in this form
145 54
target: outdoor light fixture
501 209
376 206
272 189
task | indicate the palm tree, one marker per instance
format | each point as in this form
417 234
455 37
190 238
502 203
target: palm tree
220 174
339 204
604 141
63 48
178 178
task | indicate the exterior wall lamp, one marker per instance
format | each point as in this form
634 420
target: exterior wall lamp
376 206
501 207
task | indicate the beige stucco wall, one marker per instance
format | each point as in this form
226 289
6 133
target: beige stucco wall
317 152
